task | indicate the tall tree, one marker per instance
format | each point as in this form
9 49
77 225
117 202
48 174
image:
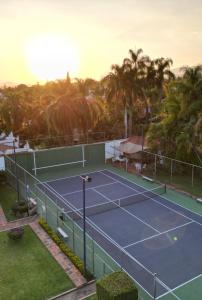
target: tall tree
180 117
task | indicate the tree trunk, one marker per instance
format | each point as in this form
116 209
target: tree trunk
126 121
130 122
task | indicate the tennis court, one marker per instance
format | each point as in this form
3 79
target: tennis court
140 229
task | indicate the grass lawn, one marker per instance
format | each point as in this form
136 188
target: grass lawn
8 197
28 271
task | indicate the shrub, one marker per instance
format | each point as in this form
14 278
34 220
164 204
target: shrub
19 207
16 233
65 249
2 176
116 286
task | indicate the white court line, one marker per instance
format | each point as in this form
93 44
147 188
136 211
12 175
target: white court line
172 202
175 211
78 191
166 287
110 239
179 286
118 206
103 233
151 237
111 200
78 175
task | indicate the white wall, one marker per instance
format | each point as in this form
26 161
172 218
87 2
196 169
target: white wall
112 149
2 163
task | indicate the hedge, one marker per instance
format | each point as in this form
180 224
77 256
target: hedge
116 286
65 249
16 233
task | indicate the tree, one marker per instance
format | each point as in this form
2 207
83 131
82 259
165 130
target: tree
181 118
72 110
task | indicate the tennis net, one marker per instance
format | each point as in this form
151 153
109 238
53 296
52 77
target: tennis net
122 202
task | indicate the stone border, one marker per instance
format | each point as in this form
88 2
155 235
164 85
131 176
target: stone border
81 293
69 268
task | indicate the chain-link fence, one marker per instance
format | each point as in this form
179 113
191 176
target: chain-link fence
104 255
181 175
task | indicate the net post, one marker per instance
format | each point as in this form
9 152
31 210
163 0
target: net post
165 187
34 159
155 275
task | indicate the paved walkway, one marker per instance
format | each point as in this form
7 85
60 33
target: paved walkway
14 224
79 293
59 256
3 220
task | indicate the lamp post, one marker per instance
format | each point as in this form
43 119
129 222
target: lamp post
84 180
15 159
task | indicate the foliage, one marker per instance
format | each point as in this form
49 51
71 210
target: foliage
2 176
20 208
65 249
16 233
53 108
178 134
137 86
116 286
7 199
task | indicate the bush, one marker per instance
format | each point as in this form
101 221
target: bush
16 233
19 207
2 176
66 250
116 286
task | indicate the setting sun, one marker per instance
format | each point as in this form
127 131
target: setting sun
51 57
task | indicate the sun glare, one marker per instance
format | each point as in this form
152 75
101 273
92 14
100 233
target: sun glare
51 57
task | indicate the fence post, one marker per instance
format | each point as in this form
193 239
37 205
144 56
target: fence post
171 170
34 160
155 165
192 176
126 165
73 242
93 256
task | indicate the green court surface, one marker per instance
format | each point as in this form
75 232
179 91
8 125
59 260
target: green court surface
189 291
28 271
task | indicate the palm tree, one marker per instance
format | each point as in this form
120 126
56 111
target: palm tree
116 87
125 84
72 111
181 117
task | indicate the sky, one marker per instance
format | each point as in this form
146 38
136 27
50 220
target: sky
95 34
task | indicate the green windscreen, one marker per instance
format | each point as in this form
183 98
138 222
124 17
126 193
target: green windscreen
95 154
55 156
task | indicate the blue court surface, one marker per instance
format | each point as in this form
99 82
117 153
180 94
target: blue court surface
141 230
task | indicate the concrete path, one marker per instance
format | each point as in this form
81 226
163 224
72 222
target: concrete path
3 220
5 225
59 256
79 293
